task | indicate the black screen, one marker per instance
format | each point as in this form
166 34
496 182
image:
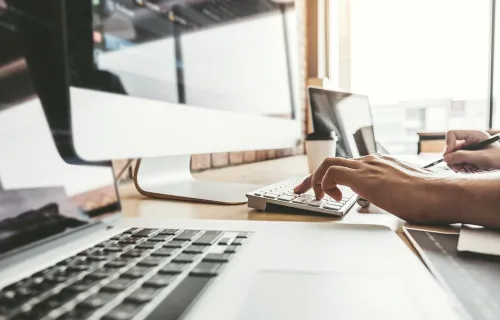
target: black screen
348 115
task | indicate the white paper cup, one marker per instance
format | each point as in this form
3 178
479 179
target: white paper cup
318 151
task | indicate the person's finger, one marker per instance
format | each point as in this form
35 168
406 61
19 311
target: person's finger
334 176
465 156
303 186
468 136
317 176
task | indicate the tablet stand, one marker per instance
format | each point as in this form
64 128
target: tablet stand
171 178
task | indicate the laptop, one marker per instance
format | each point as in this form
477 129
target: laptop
68 250
349 116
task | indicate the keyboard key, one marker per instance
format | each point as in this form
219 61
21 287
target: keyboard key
286 197
206 269
102 273
82 285
316 203
106 243
136 272
176 303
238 242
134 253
98 257
169 232
208 238
231 249
217 257
187 235
142 295
151 261
120 284
173 268
124 311
185 257
97 300
160 238
114 249
146 232
225 241
271 195
302 200
243 235
163 252
176 244
330 206
195 249
118 263
146 245
77 313
132 230
158 281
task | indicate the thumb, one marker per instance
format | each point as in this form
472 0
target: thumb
464 156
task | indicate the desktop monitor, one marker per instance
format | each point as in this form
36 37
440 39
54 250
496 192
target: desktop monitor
42 196
163 80
154 79
348 115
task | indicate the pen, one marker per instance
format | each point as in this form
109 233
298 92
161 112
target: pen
476 146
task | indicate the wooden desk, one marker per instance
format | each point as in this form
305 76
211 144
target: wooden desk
264 173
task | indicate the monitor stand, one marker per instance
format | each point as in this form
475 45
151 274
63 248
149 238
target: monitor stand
171 178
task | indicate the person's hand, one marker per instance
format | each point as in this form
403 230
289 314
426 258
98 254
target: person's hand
487 158
393 185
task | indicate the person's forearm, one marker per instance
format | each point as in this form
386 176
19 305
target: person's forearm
477 199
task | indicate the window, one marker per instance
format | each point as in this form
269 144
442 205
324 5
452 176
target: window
425 65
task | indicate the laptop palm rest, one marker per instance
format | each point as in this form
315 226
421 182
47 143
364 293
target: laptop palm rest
298 296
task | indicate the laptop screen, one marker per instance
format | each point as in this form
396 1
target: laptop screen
349 115
45 190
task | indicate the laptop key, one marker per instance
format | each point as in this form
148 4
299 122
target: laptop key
135 272
142 295
146 245
225 241
151 261
160 238
208 238
169 232
187 235
231 249
146 232
101 273
97 300
82 285
120 284
176 244
159 281
238 242
185 257
133 253
195 249
163 252
243 235
118 263
217 257
176 303
206 269
125 311
173 268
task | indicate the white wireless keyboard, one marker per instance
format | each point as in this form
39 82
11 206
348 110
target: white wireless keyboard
282 194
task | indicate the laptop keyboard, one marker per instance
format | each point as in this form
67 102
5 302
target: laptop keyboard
119 277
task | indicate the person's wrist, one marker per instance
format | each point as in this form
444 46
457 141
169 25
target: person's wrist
443 199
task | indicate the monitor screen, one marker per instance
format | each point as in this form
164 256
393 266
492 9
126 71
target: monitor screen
43 192
225 55
348 115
